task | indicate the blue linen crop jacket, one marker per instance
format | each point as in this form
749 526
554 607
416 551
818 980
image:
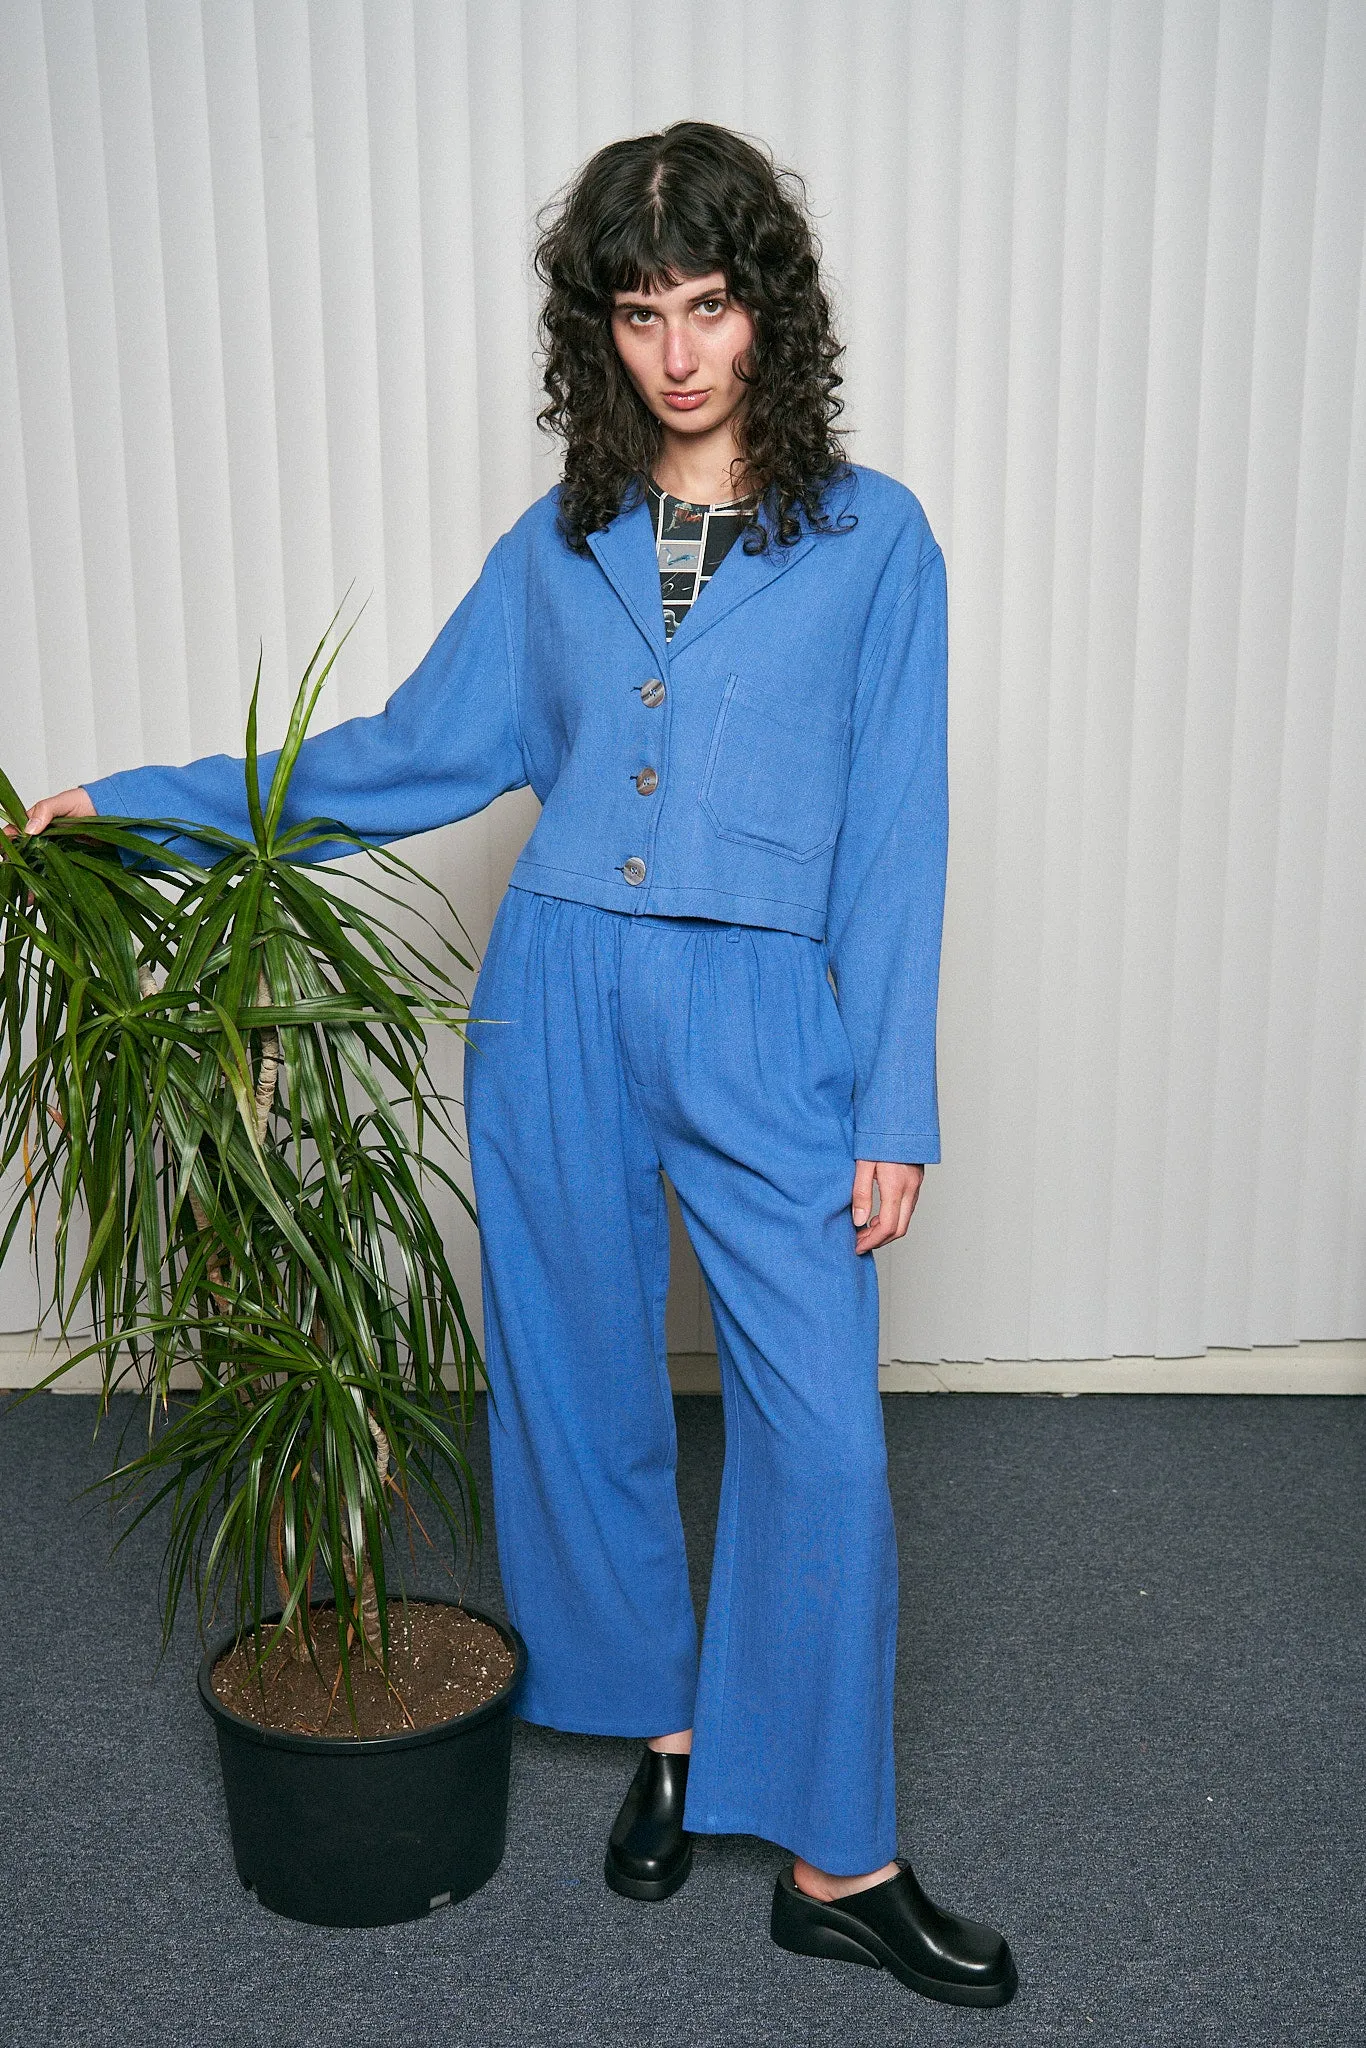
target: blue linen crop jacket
795 726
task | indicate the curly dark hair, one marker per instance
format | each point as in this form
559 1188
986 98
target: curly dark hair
644 214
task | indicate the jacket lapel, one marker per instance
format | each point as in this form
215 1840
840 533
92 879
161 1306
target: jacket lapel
740 576
625 553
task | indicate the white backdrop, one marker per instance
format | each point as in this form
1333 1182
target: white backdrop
265 330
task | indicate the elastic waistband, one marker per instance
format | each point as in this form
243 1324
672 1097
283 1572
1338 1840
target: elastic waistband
660 919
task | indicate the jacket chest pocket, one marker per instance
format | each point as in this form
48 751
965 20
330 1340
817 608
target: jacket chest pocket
776 773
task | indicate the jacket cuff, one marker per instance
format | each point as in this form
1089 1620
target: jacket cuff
103 794
897 1148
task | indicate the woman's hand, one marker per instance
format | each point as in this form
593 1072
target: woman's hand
898 1189
71 803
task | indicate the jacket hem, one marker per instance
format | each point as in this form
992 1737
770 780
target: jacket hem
769 913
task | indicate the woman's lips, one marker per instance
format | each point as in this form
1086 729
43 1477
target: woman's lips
686 401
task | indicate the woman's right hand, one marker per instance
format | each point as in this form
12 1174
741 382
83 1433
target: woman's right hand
70 803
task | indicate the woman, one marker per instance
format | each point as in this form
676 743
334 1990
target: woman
717 653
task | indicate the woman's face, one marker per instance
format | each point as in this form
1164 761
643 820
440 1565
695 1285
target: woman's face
680 346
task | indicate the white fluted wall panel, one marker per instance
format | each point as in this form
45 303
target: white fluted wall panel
266 325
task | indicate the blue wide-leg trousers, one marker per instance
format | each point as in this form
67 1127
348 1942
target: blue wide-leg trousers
610 1047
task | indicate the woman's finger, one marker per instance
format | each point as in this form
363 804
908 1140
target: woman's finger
898 1189
881 1227
861 1201
68 803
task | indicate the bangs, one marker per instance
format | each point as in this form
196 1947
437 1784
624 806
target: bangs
660 238
645 269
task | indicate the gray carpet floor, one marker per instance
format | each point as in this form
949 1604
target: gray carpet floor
1131 1682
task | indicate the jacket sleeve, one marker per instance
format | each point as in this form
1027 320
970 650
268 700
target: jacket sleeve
887 883
446 744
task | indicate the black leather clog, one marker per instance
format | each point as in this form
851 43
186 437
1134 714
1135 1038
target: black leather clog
648 1854
894 1926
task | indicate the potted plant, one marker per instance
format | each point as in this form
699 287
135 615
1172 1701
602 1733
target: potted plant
218 1068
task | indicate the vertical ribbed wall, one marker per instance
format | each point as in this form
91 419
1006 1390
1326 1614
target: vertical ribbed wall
265 331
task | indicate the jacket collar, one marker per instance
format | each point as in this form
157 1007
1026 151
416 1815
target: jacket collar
625 551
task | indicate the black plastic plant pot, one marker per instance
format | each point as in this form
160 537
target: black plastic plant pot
345 1832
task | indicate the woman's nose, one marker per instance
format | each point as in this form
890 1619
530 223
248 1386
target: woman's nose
680 357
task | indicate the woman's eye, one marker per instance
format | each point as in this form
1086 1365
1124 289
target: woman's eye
711 306
638 316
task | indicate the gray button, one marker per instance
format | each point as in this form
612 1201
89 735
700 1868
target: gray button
634 869
652 693
647 782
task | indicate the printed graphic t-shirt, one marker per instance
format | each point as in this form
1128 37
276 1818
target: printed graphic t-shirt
691 542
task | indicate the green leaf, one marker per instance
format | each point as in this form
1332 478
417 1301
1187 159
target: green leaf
254 809
11 803
305 703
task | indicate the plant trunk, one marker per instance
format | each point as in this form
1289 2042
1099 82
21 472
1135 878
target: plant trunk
268 1066
369 1599
294 1634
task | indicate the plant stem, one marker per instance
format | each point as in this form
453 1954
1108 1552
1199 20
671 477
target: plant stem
268 1069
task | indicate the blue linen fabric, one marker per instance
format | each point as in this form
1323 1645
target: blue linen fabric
597 1060
798 745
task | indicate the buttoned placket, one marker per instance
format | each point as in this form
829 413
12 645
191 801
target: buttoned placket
623 550
656 714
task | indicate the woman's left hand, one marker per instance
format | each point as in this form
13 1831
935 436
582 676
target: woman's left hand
898 1188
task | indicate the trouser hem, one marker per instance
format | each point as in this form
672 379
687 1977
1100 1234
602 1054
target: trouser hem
631 1728
836 1858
